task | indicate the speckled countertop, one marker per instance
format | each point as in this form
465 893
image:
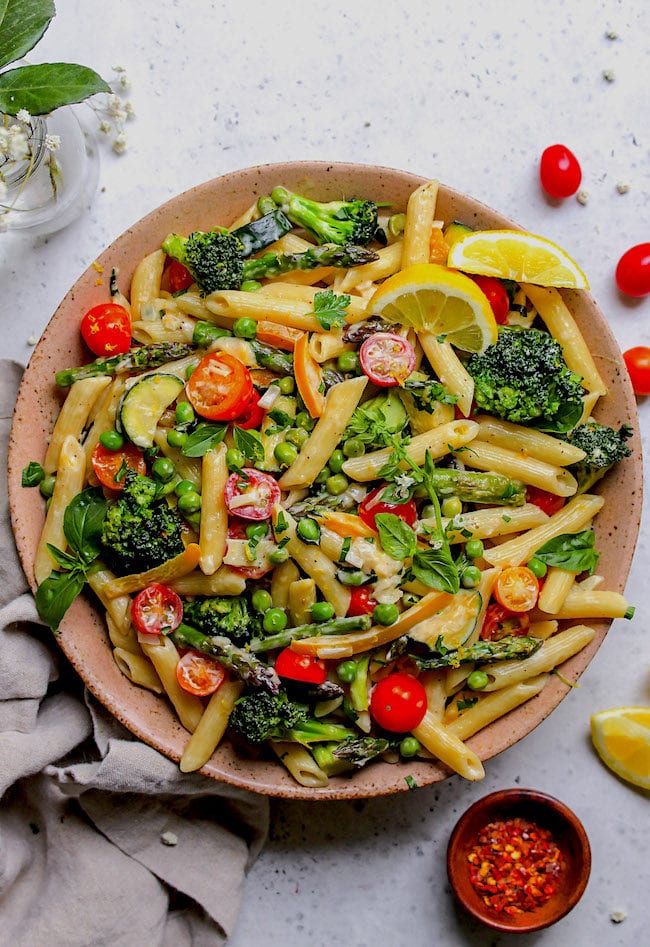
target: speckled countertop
471 94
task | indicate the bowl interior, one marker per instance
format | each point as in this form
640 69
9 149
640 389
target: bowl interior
546 812
82 635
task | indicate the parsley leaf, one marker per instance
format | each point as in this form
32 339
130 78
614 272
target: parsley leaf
330 309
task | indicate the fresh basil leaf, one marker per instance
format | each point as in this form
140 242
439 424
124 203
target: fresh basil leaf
83 521
22 24
44 87
330 309
63 559
436 568
249 443
203 438
573 552
32 474
55 595
396 537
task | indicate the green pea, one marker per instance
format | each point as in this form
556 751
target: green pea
185 486
275 619
346 671
386 613
322 611
250 286
47 484
308 530
537 567
163 469
451 507
287 385
324 475
354 578
297 436
256 530
235 460
278 556
261 600
176 438
348 362
184 413
194 519
474 549
470 577
354 447
477 680
285 453
336 485
409 747
189 502
428 512
336 461
245 328
304 420
111 440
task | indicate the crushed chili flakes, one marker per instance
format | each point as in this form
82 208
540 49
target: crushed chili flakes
515 865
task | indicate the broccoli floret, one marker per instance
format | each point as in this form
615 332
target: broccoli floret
215 259
227 616
141 530
260 716
523 378
353 221
603 447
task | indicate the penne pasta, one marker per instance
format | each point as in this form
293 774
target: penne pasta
211 727
484 455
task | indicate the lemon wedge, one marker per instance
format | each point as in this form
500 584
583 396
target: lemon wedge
512 254
622 739
431 297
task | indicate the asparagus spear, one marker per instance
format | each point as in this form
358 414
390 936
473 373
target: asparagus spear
142 357
361 751
245 665
274 359
274 264
513 646
336 626
474 486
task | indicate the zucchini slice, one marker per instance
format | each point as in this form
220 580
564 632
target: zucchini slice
143 405
455 623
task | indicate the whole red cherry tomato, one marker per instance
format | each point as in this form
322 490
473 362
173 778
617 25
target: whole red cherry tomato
361 601
373 504
106 329
156 610
633 271
398 702
300 667
559 171
497 296
387 358
178 277
548 503
251 494
220 387
637 362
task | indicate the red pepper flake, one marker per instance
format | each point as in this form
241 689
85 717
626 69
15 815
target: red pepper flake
515 865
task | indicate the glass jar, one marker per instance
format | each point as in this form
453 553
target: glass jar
48 189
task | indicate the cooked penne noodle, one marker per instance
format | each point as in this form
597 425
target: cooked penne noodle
126 640
174 568
449 369
118 609
420 214
553 652
593 604
224 581
491 521
302 595
324 346
514 437
281 581
542 629
145 283
557 585
73 416
448 748
389 262
69 482
214 513
487 456
211 727
301 764
492 706
138 669
164 657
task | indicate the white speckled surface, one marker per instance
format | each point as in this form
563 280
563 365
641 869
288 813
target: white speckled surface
470 94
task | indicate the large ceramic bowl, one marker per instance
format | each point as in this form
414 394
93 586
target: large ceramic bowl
83 636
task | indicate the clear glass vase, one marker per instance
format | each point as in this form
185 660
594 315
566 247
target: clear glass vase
47 190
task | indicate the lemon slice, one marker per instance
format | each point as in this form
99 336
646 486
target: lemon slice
622 739
511 254
431 297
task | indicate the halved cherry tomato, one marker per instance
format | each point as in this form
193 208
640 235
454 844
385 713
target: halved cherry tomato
178 277
500 623
156 610
220 387
517 589
361 601
633 271
559 171
398 702
199 674
548 503
387 359
237 530
251 494
300 667
637 362
497 296
373 504
252 415
107 464
106 329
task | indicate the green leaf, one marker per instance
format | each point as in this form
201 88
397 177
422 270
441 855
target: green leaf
32 474
396 537
330 309
55 595
203 439
63 559
22 24
249 443
83 521
573 552
47 86
436 568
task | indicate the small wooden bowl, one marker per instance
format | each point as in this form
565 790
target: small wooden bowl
546 812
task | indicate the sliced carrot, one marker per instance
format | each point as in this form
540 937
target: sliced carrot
272 333
309 377
181 564
344 524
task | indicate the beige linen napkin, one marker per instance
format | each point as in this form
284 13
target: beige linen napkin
102 839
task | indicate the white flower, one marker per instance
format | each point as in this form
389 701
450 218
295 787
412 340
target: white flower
119 145
23 116
125 82
52 142
129 110
105 127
